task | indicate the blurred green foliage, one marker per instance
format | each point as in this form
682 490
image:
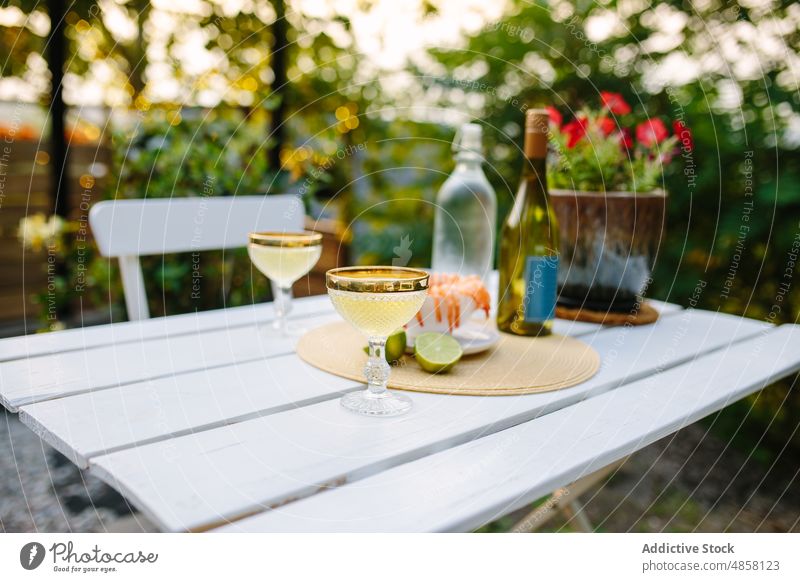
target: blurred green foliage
391 201
734 207
193 153
77 276
361 152
542 54
166 153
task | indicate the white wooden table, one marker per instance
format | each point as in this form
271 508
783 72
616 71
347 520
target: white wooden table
204 424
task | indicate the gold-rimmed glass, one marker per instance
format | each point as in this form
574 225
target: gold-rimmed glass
377 301
284 257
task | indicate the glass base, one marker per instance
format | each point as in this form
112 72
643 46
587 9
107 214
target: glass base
387 404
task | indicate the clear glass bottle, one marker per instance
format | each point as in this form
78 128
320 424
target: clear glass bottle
466 212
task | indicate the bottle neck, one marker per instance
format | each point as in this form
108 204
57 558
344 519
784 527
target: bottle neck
466 160
536 151
535 173
532 190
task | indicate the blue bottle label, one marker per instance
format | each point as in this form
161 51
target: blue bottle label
540 288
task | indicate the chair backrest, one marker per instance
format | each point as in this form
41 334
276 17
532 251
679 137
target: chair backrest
128 229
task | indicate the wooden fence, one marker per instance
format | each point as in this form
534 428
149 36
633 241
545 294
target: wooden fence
26 190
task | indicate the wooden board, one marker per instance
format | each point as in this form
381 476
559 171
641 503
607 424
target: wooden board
459 489
27 191
30 380
177 382
95 423
87 424
201 480
76 361
193 224
34 345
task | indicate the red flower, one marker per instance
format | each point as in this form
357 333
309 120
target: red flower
606 125
651 132
626 139
615 103
684 135
575 130
555 116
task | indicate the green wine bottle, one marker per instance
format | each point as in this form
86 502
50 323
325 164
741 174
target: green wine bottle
529 243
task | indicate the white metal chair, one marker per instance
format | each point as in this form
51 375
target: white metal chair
128 229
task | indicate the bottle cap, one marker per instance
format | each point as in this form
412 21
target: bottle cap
469 138
537 120
537 124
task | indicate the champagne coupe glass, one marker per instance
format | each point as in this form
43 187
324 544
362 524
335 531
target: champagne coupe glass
284 257
377 301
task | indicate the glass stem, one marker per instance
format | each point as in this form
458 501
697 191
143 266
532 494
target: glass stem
377 369
283 305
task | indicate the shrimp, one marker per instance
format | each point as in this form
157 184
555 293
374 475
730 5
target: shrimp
448 289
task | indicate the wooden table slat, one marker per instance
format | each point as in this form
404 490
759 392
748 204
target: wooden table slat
460 489
200 480
96 423
67 373
40 344
82 425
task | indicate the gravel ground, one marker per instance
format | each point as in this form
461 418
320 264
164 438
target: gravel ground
694 482
688 482
30 474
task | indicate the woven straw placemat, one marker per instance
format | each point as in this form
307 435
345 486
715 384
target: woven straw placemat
645 314
516 365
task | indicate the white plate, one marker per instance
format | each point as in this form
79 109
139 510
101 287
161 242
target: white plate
475 336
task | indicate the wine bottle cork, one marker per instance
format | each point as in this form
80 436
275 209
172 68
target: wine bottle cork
537 122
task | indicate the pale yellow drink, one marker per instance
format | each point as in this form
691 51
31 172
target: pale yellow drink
377 301
377 314
284 265
284 257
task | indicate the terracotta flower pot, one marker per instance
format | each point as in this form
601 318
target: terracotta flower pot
608 245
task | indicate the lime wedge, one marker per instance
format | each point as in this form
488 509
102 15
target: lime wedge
395 346
437 352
